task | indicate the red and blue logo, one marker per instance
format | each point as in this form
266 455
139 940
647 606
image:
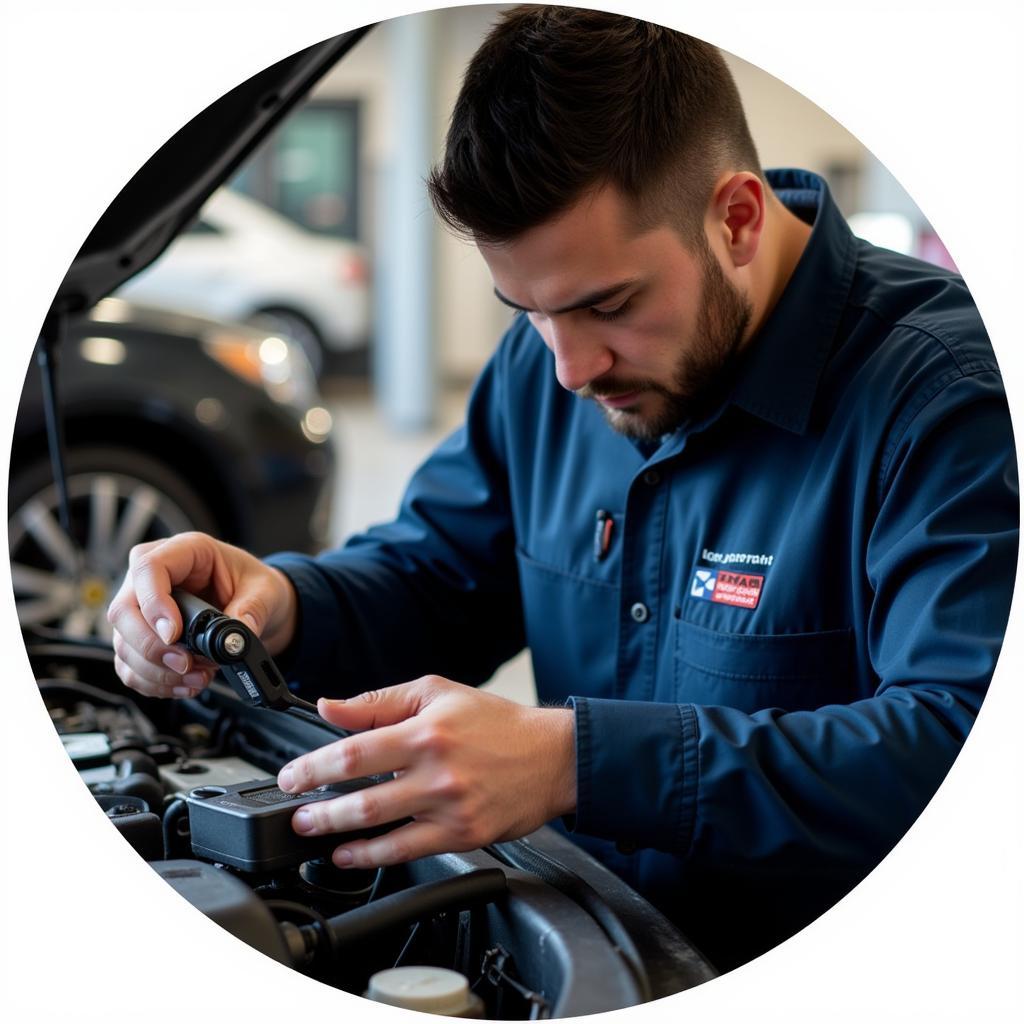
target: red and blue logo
739 589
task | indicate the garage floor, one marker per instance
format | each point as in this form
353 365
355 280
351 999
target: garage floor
375 463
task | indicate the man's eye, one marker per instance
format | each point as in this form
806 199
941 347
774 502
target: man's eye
610 314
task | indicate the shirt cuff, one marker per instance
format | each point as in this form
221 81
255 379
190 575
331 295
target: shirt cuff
636 772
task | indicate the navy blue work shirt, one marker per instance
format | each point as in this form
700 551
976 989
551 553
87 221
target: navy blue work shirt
776 649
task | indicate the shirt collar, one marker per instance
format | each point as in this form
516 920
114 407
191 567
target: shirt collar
779 377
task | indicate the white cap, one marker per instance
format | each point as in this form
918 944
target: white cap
427 989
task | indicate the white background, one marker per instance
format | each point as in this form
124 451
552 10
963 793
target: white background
89 91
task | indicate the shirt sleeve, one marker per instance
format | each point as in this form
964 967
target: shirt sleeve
433 592
836 787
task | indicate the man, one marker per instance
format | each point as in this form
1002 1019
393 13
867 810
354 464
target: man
744 484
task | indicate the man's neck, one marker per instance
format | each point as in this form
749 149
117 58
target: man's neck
786 237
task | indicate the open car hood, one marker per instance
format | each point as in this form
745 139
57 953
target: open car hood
169 189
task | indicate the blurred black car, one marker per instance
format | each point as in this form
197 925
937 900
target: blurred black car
172 423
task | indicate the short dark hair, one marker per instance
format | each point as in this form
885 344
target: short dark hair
558 101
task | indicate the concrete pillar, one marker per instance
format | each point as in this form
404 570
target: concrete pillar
405 364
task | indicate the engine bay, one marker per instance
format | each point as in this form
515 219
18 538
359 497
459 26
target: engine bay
530 929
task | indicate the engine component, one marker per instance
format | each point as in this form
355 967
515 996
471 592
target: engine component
427 989
474 888
87 749
132 818
228 901
128 783
321 876
249 825
184 776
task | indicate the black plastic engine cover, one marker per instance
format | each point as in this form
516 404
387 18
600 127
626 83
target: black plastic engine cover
248 825
228 901
132 817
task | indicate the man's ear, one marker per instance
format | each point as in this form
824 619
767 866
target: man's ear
737 214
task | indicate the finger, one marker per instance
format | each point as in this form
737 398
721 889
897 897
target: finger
366 808
132 631
126 615
185 560
253 607
178 670
375 708
405 843
150 688
369 753
123 612
158 656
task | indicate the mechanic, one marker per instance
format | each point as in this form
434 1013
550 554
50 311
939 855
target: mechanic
744 484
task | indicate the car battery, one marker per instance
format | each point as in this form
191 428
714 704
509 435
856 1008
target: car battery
249 825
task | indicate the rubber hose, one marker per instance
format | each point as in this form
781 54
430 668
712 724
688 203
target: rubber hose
416 903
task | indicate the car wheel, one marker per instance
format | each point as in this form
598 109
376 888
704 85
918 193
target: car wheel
295 327
119 498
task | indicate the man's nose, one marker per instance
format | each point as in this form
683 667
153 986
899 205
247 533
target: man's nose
580 357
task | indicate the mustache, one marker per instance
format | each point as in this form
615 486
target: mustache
609 387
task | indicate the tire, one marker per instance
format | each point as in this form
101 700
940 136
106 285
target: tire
297 328
118 498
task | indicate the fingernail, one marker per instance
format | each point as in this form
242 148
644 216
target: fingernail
249 621
286 779
342 858
176 662
331 700
196 679
166 629
181 691
303 820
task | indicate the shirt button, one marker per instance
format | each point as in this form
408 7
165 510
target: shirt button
652 478
639 612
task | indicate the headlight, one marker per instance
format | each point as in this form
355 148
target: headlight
317 424
277 364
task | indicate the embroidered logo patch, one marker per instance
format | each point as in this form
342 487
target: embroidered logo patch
739 589
703 583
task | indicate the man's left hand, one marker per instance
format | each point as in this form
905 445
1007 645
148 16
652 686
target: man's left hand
471 768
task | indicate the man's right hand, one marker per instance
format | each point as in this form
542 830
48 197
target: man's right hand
147 622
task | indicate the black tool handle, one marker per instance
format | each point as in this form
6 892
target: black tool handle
237 651
196 615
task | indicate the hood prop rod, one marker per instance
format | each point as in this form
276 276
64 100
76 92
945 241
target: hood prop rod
50 339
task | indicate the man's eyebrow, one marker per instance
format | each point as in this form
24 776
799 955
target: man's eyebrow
593 299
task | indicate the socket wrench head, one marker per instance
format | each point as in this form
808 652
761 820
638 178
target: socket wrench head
234 644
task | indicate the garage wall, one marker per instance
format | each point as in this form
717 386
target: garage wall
788 129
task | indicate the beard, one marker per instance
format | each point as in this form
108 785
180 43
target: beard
700 371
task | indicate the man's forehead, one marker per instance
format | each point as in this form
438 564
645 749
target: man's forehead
554 278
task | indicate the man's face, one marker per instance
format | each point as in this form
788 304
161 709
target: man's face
639 322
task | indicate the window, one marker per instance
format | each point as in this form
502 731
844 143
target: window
308 169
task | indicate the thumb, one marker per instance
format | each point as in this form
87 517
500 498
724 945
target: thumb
248 611
375 708
252 603
265 600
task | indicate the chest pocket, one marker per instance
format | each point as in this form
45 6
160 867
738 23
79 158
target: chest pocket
750 672
570 629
